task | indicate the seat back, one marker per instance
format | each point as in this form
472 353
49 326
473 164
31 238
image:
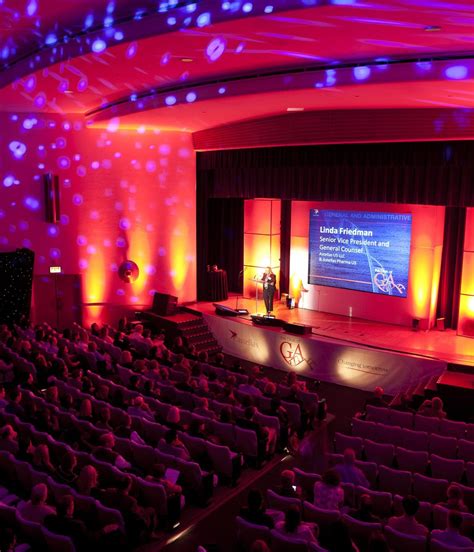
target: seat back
283 503
246 442
377 414
402 419
452 470
466 450
319 515
380 453
341 442
306 481
366 430
58 543
426 423
415 440
412 460
282 543
381 500
248 533
360 531
407 543
450 428
429 489
395 481
438 546
443 446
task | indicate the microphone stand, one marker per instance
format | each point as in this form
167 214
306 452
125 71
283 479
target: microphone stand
241 273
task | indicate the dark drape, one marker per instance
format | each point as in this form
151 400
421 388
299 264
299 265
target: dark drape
451 265
431 173
285 245
225 238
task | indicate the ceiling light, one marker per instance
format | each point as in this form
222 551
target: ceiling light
295 108
432 28
68 92
187 60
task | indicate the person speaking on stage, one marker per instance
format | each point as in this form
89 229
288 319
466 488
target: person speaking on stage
269 284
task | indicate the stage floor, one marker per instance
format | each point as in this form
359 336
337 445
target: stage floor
441 345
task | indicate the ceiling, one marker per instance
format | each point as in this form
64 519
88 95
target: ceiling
212 63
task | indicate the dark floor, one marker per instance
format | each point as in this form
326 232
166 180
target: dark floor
213 527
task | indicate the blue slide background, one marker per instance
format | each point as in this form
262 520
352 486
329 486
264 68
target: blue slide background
376 268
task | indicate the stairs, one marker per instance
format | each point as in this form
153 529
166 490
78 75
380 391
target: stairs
188 324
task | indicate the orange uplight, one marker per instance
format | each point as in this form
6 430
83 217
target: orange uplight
179 262
421 279
139 252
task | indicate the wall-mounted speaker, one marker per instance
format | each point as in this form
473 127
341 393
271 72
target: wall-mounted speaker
51 197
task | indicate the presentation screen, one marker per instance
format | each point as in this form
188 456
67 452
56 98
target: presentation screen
360 250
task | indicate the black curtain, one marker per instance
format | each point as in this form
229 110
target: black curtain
285 245
451 265
16 282
225 238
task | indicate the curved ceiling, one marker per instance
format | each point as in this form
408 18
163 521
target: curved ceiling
197 65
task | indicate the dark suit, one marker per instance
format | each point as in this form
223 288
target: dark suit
269 283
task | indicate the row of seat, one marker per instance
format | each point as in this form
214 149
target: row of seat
446 446
422 462
409 420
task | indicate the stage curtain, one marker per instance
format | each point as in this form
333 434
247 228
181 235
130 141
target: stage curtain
226 238
426 173
285 245
451 266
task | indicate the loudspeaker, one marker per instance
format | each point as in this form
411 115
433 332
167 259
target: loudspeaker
300 329
164 304
51 197
261 320
222 310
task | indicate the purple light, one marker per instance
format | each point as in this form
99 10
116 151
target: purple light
40 100
99 45
108 21
32 203
124 224
118 35
191 97
8 181
361 73
247 7
171 21
81 240
268 9
83 264
82 84
170 100
77 199
191 8
30 84
222 90
120 242
31 7
89 21
17 148
51 39
240 48
215 49
29 123
456 72
131 50
53 231
204 19
64 162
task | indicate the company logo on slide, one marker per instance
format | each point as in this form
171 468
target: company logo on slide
383 279
291 353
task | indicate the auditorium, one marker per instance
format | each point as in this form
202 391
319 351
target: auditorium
237 275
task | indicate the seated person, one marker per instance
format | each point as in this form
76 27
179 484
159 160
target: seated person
406 523
87 481
197 428
41 459
157 475
63 523
36 508
250 388
376 399
8 439
254 512
293 527
105 452
247 422
140 409
452 536
349 472
103 421
66 471
455 499
287 485
328 493
173 418
203 409
364 511
172 445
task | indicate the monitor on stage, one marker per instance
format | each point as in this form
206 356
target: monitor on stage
360 250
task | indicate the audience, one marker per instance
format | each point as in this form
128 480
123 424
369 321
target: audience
287 485
349 472
254 512
328 493
364 511
455 499
452 536
406 523
293 527
36 508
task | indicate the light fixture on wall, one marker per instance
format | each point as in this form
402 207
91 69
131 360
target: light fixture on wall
128 272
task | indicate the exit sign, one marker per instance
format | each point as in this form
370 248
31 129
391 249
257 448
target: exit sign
54 269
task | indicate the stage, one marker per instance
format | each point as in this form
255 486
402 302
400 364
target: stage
340 349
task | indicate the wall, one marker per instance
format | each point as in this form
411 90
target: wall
124 194
466 304
425 264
